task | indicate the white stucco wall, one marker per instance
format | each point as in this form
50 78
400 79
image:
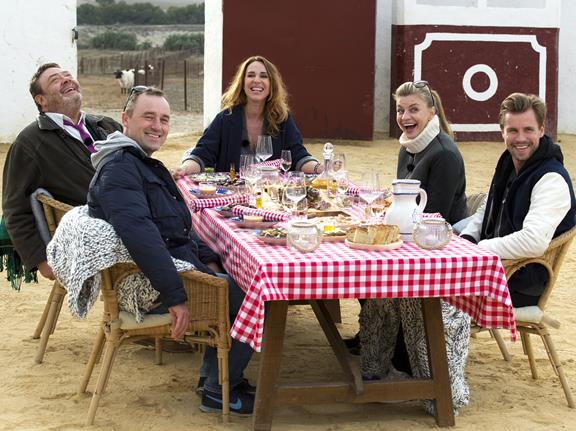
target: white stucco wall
32 32
213 39
567 69
382 72
511 13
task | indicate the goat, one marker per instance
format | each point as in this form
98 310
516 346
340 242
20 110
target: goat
149 68
125 79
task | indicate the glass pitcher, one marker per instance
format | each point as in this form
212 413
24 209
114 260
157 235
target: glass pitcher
432 233
304 236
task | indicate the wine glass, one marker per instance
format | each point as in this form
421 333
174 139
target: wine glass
342 184
295 189
252 175
370 188
264 148
285 160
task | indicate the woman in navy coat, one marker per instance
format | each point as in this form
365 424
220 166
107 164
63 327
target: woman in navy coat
254 104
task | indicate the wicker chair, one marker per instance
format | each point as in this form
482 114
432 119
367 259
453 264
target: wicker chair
209 325
534 320
474 201
53 212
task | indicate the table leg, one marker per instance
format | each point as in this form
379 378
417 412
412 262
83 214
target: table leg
270 359
333 307
432 311
351 369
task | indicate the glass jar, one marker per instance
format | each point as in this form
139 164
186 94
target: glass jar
432 233
304 236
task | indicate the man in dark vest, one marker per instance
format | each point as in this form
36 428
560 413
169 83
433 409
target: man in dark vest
531 198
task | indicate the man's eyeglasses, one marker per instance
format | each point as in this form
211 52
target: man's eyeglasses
139 89
422 84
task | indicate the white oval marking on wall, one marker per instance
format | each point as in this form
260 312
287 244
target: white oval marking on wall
480 96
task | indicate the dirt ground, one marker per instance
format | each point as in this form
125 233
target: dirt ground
142 396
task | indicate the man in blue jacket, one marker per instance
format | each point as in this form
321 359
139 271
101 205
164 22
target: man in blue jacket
138 197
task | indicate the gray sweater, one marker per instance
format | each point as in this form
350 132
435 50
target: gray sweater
440 169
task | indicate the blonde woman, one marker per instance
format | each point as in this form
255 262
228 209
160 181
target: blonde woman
392 330
255 103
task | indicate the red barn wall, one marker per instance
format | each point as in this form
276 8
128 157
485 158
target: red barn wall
324 50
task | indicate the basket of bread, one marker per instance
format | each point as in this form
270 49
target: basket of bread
378 237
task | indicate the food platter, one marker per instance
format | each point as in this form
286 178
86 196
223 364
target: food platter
243 224
313 213
271 240
273 236
375 247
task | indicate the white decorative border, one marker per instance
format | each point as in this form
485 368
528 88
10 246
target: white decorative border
482 37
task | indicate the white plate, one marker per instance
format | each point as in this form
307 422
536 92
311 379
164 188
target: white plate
220 193
375 247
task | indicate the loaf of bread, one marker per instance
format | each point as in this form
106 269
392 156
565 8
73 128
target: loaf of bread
374 234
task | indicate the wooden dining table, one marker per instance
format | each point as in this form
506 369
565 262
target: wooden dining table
275 276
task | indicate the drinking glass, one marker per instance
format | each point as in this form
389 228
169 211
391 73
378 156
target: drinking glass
264 148
338 162
285 160
245 161
377 208
370 188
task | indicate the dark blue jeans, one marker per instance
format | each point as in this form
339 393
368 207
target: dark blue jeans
240 353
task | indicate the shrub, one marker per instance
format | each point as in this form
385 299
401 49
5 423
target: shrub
184 42
115 40
145 45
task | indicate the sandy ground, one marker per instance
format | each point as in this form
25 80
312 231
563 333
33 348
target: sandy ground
142 396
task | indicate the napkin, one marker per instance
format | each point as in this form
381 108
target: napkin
199 204
276 163
267 215
353 190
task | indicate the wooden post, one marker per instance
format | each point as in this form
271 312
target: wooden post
162 65
185 85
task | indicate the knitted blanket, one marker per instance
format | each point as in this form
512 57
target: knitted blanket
84 245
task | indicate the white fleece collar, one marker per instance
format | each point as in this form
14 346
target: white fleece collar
421 141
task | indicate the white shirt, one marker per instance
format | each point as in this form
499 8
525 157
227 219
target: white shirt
549 204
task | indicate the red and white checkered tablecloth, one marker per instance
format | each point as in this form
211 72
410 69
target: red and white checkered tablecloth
465 275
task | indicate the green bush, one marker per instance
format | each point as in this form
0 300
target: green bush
115 40
145 45
185 42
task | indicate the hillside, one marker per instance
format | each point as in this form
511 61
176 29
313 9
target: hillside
161 3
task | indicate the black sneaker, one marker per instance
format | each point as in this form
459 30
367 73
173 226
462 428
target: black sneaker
241 403
244 386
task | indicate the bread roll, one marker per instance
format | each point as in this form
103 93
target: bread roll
374 234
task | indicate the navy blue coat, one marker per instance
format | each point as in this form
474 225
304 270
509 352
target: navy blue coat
220 145
138 197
